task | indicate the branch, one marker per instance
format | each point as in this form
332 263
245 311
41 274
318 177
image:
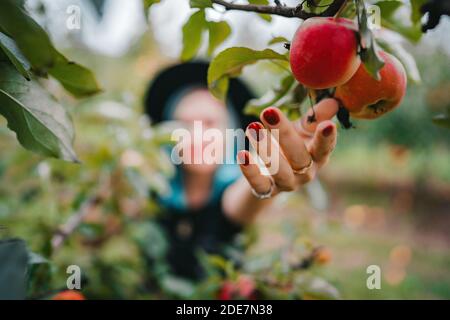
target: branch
72 223
284 11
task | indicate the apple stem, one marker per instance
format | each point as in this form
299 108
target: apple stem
339 12
311 118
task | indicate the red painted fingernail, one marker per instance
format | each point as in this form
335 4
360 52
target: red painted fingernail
244 159
255 130
271 116
327 131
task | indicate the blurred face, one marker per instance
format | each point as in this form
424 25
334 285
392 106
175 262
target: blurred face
200 110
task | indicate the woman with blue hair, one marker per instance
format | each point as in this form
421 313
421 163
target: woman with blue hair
212 200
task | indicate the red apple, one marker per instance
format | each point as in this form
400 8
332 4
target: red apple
243 288
367 98
68 295
323 53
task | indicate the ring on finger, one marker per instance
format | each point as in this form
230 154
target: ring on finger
266 195
305 168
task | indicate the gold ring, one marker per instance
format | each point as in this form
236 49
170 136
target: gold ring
305 168
266 195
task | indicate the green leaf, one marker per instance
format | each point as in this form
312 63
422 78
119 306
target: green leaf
265 17
255 106
388 7
35 45
368 51
406 58
15 56
291 107
276 40
151 239
442 120
416 15
13 267
316 288
147 4
315 6
75 78
372 62
177 286
34 258
410 31
41 124
218 33
219 88
349 10
192 35
230 62
201 4
38 274
31 39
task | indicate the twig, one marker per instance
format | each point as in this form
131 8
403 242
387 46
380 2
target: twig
72 223
77 217
339 12
285 11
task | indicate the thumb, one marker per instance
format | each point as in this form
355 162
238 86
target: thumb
324 110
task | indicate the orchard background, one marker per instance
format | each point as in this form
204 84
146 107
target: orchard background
384 198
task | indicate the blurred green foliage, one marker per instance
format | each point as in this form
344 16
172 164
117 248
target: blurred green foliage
115 235
122 162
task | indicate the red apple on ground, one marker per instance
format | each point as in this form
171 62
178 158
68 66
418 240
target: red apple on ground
69 295
243 288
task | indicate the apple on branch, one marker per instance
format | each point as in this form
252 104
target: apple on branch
324 52
367 98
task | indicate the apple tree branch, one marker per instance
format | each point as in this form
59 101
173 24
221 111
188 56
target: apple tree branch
282 10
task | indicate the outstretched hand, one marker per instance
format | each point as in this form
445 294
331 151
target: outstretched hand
292 152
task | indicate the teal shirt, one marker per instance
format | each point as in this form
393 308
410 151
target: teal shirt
224 176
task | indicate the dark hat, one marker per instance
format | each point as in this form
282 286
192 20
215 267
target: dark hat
178 77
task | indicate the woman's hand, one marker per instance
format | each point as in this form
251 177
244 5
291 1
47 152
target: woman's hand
298 151
301 148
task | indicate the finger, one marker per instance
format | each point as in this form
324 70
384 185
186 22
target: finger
308 175
323 142
324 110
268 151
260 183
292 145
